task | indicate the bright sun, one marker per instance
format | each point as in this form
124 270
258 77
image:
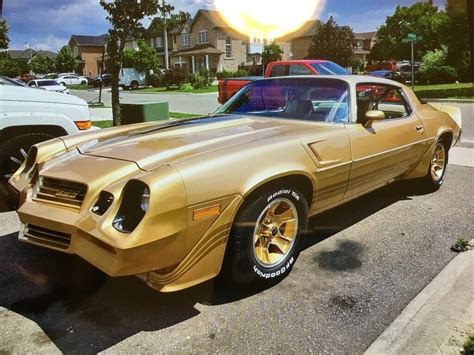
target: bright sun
268 19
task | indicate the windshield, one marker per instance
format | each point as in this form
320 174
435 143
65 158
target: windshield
48 83
7 81
312 99
329 68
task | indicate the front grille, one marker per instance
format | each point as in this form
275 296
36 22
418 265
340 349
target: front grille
61 192
48 237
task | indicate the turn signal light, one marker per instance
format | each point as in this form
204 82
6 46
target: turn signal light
207 212
83 125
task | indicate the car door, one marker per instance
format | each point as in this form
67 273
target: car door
388 149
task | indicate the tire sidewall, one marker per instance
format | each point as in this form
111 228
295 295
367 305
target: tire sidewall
246 268
439 183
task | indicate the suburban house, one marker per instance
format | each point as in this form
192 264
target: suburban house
301 41
363 43
27 54
207 41
88 51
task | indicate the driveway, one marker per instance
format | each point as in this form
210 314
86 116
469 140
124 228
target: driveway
362 264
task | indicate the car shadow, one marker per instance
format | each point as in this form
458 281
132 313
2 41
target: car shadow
84 311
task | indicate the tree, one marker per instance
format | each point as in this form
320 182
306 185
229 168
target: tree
41 64
8 66
271 53
65 61
4 40
422 19
143 59
459 53
332 42
125 16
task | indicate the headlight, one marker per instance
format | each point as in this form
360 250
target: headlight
135 203
103 203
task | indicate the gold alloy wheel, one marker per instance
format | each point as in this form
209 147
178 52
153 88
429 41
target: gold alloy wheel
438 162
275 233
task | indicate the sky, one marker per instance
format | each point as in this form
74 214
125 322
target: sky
48 24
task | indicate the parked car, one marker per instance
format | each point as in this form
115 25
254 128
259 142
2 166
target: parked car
130 78
71 79
228 87
29 116
48 85
177 203
106 80
8 81
382 65
389 74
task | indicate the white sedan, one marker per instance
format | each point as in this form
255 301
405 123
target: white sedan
72 79
48 85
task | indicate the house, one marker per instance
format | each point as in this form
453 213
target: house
363 43
301 40
207 41
89 52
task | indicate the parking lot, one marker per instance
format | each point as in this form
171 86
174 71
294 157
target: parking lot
362 264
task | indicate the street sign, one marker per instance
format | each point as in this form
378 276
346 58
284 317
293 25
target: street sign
411 36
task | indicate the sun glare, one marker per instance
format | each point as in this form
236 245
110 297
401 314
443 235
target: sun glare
268 19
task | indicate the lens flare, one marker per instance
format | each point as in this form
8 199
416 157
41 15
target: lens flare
268 19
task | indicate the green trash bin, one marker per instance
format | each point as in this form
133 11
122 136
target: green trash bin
139 112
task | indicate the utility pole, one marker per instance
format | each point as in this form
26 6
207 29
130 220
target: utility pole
1 9
167 61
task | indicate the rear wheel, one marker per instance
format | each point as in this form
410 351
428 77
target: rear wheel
13 152
264 241
434 179
134 85
83 82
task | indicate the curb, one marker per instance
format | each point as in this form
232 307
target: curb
435 315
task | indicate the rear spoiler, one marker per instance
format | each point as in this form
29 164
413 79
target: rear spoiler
453 111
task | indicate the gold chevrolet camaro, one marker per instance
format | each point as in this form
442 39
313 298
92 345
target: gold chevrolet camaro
177 203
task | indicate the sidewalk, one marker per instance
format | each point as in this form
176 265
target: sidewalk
438 320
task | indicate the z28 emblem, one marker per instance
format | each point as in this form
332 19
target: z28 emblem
66 194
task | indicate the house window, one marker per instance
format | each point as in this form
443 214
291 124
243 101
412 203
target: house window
203 37
76 51
159 42
185 40
228 47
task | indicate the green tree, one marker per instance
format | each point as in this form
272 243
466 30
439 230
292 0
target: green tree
126 17
4 40
65 61
332 42
271 53
459 54
422 19
142 59
8 66
41 64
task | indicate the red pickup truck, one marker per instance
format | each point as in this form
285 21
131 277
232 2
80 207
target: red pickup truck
228 87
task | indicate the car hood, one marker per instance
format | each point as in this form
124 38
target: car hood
26 94
152 147
54 88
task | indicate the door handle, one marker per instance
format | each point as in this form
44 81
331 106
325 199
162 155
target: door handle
420 129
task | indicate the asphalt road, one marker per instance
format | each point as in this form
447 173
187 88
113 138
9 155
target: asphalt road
362 264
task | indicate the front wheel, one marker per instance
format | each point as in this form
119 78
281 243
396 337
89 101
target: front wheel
434 179
265 237
134 85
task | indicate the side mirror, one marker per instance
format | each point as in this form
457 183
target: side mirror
371 116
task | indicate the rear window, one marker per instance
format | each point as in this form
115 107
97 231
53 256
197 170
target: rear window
329 68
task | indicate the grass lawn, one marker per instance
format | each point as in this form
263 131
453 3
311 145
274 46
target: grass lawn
176 115
79 87
184 89
445 91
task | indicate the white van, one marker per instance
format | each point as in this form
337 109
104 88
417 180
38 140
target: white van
130 78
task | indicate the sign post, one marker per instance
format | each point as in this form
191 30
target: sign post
412 38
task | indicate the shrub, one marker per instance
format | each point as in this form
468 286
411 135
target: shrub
241 72
439 75
156 80
174 77
202 79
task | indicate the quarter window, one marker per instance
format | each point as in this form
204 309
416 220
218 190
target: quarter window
228 47
203 37
388 99
279 70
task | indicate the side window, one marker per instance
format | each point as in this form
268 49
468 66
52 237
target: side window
299 70
388 99
31 84
279 70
